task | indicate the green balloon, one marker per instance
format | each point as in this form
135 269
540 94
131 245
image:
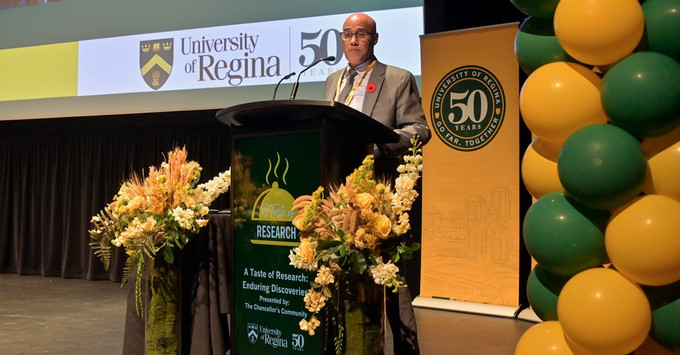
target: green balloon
543 289
536 44
666 325
538 8
665 303
641 94
602 166
662 24
564 236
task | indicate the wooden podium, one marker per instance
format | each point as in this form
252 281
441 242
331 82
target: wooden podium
281 150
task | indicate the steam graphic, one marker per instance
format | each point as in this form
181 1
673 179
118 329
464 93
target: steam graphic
276 168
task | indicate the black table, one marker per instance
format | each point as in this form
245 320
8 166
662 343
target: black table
205 299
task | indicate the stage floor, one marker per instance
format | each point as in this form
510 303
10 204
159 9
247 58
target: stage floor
72 316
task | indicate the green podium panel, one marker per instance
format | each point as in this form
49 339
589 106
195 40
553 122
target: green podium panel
268 171
282 150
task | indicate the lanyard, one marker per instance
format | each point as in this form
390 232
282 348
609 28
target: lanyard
356 86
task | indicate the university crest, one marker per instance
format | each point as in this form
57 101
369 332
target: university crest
252 332
155 61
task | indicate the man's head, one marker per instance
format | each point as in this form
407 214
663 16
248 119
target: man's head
358 50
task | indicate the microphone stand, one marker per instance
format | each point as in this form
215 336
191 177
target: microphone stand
297 82
287 76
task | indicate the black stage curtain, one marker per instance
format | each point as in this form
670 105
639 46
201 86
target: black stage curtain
55 174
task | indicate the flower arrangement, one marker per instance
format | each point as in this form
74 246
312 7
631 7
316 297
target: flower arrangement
357 230
151 217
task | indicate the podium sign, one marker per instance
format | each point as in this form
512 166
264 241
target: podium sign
267 172
280 150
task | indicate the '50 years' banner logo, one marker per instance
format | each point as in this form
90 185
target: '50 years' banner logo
468 107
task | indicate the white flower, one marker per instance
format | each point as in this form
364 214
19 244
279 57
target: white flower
184 217
208 192
297 261
404 192
384 274
402 226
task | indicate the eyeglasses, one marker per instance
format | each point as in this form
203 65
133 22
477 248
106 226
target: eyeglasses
361 35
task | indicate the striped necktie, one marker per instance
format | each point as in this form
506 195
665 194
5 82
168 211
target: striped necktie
348 85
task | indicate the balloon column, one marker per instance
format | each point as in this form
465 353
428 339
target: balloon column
602 99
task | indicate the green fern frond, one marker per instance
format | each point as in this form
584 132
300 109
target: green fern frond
102 234
339 340
139 304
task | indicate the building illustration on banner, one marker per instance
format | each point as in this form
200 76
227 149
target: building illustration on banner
483 233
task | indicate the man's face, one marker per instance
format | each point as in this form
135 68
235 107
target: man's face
358 50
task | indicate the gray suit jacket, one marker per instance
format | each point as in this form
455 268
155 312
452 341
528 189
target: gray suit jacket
395 103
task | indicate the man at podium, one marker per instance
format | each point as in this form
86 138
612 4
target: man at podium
386 93
389 95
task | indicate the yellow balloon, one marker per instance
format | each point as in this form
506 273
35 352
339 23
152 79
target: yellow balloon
643 240
543 338
559 98
663 157
539 168
602 312
598 32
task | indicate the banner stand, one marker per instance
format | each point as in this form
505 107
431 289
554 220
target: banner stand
471 230
526 314
465 307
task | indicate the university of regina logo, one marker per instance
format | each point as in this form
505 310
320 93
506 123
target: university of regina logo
468 107
253 333
155 61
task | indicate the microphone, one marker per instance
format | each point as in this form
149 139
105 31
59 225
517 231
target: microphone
285 77
297 82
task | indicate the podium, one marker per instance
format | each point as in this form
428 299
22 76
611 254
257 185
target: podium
281 150
347 134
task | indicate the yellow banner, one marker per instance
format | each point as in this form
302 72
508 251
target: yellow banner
39 72
471 176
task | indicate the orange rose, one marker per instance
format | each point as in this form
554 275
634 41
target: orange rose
364 199
306 251
383 225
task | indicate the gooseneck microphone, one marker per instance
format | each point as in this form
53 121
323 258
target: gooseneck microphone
285 77
297 82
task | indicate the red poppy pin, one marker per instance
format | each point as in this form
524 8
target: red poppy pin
370 87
